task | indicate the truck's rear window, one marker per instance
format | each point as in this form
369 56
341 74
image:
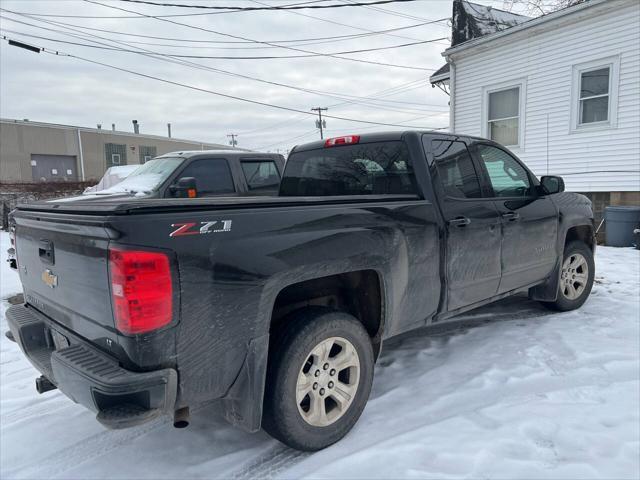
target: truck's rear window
361 169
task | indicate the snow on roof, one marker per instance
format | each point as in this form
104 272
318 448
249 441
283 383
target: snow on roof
471 20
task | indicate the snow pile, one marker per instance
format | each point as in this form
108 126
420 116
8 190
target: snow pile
111 177
511 391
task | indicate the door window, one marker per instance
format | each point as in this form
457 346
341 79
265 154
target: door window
213 176
261 175
508 177
457 174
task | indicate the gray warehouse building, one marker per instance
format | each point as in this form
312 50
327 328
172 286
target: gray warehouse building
33 152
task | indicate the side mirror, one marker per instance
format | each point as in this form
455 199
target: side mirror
552 184
185 188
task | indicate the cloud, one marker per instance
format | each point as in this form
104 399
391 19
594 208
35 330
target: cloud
64 90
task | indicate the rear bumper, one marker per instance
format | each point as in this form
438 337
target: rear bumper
121 398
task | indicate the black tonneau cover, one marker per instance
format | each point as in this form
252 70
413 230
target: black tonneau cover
133 205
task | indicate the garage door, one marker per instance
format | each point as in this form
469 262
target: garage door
54 168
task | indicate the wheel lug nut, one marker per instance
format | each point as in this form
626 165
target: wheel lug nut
317 374
330 384
332 372
322 391
315 386
326 366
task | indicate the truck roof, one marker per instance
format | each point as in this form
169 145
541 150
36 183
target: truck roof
226 153
384 137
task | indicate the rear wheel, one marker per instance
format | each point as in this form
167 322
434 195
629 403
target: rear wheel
318 380
576 277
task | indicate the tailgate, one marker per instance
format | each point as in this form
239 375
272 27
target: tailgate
62 261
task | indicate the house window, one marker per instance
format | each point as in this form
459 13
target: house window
594 95
503 116
115 159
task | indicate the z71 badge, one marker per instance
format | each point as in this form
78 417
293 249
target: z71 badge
200 228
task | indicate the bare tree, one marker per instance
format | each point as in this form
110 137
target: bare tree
539 7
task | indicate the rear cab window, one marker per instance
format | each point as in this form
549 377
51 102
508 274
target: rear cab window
378 168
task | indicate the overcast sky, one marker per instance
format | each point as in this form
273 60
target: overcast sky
58 89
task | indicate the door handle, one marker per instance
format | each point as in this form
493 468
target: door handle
459 222
511 216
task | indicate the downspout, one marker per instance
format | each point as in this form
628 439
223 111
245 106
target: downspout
452 95
81 155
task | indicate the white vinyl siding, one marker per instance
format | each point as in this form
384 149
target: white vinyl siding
592 157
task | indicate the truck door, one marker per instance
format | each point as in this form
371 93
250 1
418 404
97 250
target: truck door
472 224
529 218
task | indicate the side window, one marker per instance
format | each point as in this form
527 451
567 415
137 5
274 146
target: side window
455 168
260 175
508 177
213 176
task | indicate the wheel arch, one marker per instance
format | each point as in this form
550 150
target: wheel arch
359 293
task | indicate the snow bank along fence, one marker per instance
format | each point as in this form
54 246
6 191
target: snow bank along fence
11 194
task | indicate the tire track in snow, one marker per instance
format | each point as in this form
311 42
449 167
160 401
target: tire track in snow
270 464
94 446
35 410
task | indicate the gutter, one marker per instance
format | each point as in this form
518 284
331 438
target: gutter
524 26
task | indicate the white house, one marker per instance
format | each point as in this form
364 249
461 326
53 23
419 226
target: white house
562 91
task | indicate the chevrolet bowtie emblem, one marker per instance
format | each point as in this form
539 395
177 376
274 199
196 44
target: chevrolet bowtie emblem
49 278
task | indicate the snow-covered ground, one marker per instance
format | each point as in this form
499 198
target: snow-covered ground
514 391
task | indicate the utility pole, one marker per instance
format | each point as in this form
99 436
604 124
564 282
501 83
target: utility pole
233 142
320 123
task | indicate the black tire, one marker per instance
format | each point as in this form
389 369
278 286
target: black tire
292 347
562 303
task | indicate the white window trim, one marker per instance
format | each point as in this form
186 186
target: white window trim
518 83
613 63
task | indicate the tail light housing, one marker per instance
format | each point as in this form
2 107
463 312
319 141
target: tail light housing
141 290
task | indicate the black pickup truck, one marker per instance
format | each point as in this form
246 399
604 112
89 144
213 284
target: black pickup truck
279 306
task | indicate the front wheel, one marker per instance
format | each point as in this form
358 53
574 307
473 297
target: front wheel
576 277
318 379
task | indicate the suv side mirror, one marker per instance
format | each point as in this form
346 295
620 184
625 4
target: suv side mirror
552 184
185 188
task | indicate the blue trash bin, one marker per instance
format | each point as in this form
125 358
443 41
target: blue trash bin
620 223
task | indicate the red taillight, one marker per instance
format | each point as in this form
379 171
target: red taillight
141 290
348 140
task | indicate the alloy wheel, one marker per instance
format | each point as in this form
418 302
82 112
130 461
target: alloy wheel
574 276
328 381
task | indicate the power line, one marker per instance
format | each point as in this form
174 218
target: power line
238 37
174 15
333 22
153 55
230 57
220 94
298 40
283 7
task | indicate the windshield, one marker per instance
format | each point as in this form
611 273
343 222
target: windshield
147 178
